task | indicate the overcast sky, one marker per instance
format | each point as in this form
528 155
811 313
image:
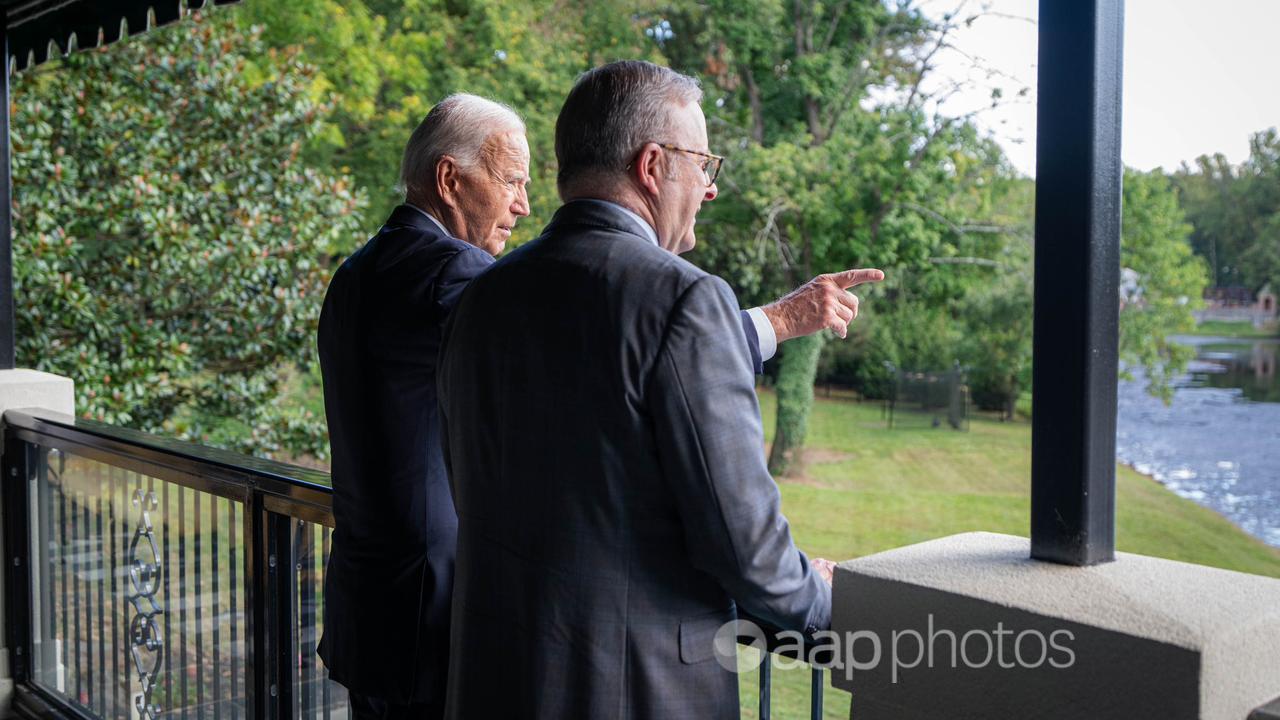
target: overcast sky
1200 76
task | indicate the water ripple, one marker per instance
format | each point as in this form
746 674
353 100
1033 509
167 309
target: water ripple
1211 445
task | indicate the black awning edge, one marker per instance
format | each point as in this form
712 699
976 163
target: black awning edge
42 30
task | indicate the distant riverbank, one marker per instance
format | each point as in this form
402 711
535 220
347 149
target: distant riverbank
1235 330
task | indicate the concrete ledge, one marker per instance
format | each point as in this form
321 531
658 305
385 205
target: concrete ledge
970 627
32 388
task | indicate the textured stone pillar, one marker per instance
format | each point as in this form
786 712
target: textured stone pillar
969 626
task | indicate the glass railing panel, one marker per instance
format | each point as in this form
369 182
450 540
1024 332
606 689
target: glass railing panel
315 696
138 604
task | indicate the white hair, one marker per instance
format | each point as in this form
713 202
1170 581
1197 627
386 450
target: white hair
458 127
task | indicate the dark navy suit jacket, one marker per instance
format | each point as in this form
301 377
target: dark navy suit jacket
390 574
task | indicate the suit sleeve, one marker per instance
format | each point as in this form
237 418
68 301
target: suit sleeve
454 277
753 343
456 274
710 442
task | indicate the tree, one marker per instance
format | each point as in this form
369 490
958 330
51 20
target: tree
823 173
168 236
997 345
1233 213
1260 260
385 63
972 301
1171 280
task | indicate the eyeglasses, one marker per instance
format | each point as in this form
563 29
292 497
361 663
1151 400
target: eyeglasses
710 164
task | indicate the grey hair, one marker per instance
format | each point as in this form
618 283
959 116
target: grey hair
611 112
457 126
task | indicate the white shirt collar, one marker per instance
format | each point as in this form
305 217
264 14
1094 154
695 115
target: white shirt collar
431 218
649 232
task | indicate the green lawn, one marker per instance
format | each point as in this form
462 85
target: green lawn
868 489
1218 328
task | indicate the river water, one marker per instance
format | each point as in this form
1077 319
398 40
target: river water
1218 443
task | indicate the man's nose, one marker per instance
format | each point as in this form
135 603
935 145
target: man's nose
712 192
521 205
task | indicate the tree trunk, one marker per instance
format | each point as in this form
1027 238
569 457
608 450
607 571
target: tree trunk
756 104
796 371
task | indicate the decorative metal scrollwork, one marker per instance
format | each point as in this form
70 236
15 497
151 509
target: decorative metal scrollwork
145 568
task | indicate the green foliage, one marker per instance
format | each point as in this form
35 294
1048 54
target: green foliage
1261 260
168 237
969 303
1235 212
997 347
1154 243
386 63
173 239
973 303
913 335
816 181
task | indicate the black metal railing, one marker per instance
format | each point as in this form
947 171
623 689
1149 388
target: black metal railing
148 578
784 645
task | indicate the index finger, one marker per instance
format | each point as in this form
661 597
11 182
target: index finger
849 278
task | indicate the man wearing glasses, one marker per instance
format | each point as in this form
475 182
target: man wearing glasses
604 443
710 165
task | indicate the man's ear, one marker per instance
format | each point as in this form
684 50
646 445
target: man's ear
647 168
448 181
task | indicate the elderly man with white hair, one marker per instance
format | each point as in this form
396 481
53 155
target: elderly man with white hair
390 574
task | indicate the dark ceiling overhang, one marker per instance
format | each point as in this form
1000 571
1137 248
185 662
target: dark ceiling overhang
41 30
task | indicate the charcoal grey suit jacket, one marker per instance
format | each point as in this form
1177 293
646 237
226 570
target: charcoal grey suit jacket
605 453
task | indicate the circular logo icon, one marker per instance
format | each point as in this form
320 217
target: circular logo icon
740 646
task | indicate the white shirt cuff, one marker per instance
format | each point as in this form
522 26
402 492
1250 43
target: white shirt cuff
764 330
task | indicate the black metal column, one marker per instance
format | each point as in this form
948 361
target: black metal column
270 598
1077 276
280 610
7 357
259 702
